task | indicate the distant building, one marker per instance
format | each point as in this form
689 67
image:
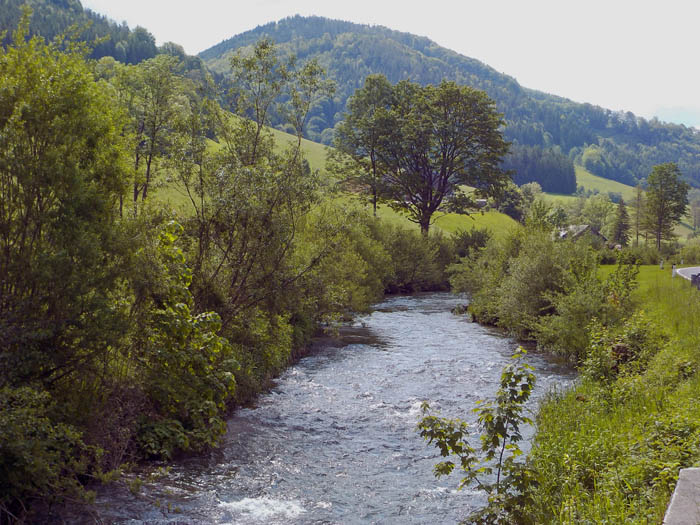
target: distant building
575 231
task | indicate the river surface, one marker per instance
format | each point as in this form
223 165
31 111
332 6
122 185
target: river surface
335 440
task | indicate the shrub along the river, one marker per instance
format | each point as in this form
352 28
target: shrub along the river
542 289
609 449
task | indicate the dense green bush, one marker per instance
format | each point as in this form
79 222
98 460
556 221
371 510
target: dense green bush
585 297
467 243
186 368
40 459
644 254
690 252
512 281
544 289
621 350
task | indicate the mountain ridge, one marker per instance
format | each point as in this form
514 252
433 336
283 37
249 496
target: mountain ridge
612 144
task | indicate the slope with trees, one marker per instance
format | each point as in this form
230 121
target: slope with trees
107 38
614 145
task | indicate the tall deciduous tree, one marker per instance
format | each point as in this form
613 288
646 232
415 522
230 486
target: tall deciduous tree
153 110
249 202
259 79
357 138
308 85
667 199
433 139
62 171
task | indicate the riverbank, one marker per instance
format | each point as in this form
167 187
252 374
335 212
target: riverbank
609 450
335 439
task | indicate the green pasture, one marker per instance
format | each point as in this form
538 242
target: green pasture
592 182
168 192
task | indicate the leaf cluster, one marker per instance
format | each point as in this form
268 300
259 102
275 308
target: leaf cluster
499 422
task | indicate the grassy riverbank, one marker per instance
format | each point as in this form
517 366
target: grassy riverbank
609 450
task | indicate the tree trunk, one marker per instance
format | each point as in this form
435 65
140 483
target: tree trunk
424 226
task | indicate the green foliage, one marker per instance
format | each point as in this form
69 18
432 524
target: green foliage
616 461
598 212
644 254
188 370
511 281
422 143
60 242
626 146
610 448
540 288
511 202
621 225
666 201
52 18
355 158
40 459
550 168
499 421
150 91
418 261
356 271
469 242
584 297
626 349
690 252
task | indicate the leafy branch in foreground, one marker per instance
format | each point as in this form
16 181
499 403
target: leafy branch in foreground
500 421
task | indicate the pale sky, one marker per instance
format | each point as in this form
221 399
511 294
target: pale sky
631 55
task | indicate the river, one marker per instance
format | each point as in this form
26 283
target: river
335 440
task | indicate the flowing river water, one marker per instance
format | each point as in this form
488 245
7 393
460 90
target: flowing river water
335 440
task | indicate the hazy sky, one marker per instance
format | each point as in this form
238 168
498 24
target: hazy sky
639 56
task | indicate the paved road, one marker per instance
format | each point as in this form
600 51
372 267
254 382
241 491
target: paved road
687 272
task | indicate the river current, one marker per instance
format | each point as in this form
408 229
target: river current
335 440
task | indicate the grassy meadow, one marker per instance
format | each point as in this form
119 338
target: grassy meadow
610 452
592 182
168 192
498 223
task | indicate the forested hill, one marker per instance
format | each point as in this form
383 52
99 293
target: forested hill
614 145
53 17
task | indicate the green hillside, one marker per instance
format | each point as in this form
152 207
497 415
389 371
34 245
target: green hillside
51 18
615 145
315 153
592 182
498 223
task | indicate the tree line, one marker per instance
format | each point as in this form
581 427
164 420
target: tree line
162 258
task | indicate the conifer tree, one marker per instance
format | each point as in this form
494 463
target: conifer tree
621 226
638 213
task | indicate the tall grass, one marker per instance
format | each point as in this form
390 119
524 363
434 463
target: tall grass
611 452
